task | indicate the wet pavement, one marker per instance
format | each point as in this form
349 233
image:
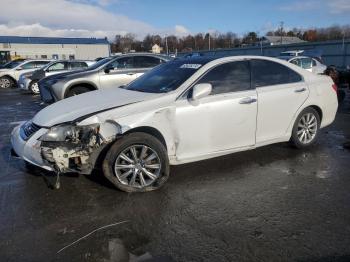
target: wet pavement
275 203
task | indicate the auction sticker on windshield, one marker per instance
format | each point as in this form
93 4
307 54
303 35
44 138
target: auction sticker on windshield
191 66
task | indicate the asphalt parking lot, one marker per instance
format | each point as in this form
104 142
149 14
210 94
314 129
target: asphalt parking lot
271 204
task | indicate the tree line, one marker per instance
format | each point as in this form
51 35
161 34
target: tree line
217 40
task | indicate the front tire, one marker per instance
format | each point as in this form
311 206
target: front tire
306 128
137 162
34 87
77 91
7 82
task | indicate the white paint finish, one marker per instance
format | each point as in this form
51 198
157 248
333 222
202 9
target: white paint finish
29 150
212 126
17 71
215 123
277 105
74 107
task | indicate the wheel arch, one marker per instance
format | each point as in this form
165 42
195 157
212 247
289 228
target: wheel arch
143 129
88 85
318 110
11 77
149 130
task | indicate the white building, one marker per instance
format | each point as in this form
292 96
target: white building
54 47
156 49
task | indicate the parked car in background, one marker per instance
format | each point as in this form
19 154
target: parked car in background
308 63
183 111
29 81
10 73
292 53
106 73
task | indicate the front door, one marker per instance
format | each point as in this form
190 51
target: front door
224 120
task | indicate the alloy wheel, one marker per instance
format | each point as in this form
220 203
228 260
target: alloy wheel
137 166
5 83
307 128
35 88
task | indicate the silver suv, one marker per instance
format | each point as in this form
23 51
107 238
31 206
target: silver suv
29 81
106 73
9 74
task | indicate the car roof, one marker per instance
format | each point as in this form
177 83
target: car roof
196 59
145 54
288 58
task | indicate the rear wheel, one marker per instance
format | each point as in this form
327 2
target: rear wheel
137 162
306 128
7 82
34 87
77 91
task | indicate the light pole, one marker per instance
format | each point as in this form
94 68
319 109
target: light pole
166 45
209 40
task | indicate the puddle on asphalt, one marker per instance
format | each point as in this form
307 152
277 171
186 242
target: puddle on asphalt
323 174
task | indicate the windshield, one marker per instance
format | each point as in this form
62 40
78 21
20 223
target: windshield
100 63
166 77
12 64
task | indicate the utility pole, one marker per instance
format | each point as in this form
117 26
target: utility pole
281 31
166 45
209 40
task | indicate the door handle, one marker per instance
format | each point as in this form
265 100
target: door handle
247 100
130 74
300 90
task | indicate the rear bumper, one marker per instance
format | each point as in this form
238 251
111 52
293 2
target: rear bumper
29 150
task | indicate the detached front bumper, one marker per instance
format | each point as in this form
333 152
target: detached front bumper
47 95
29 150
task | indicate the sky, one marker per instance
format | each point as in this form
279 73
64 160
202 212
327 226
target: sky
106 18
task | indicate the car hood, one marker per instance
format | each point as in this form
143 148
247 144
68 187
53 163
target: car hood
66 75
76 107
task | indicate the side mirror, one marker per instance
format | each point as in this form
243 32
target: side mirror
201 90
108 68
19 68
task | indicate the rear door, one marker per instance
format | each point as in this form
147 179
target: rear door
281 91
121 72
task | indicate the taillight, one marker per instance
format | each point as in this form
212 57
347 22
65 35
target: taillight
334 86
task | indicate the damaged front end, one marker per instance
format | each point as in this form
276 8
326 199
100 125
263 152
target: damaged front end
75 148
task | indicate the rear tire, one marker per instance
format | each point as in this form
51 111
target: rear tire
306 128
137 162
77 91
7 82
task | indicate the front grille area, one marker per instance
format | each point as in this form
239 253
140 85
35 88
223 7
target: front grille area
28 129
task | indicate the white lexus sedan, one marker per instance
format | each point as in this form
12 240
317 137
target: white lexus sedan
182 111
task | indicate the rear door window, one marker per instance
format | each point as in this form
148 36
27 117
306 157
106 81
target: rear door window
228 77
124 63
29 65
78 65
39 64
58 66
268 73
146 61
